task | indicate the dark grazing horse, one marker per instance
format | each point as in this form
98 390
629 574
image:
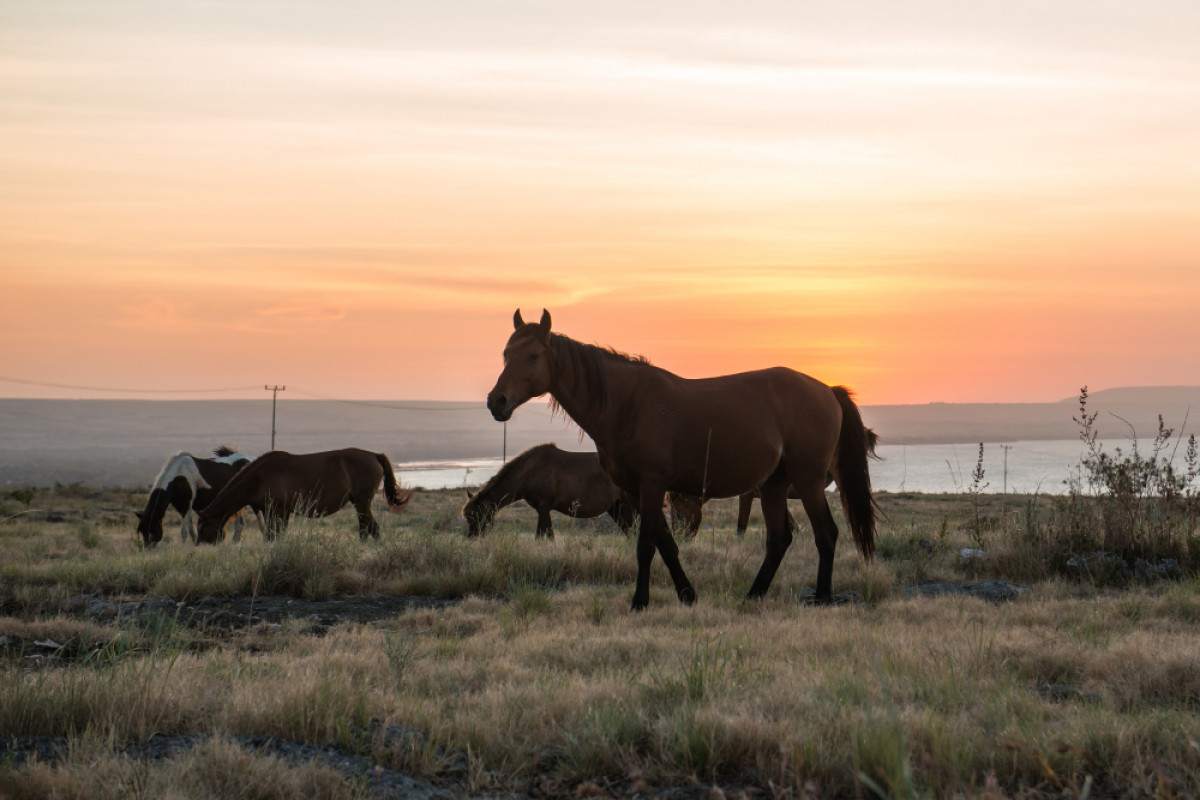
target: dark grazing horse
686 513
278 484
713 437
549 479
186 483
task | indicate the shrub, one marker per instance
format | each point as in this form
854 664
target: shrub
1130 503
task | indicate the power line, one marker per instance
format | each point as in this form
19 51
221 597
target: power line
473 408
312 395
392 406
80 387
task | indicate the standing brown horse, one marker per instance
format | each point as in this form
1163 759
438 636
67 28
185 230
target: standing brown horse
714 437
549 479
278 484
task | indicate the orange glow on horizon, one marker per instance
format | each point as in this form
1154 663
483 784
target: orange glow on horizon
946 205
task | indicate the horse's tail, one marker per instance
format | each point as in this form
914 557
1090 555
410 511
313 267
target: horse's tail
855 444
396 499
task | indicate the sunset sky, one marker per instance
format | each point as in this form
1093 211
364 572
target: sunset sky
924 200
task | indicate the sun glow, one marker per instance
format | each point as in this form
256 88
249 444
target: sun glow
932 205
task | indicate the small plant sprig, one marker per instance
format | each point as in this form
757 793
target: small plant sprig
978 484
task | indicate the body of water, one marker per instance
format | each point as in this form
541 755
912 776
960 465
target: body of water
1032 467
432 445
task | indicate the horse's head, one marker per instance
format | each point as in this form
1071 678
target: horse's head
527 367
479 512
150 520
210 528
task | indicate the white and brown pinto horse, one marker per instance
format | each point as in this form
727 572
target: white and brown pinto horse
187 483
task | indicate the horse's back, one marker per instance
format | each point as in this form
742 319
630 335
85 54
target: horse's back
581 486
360 465
722 435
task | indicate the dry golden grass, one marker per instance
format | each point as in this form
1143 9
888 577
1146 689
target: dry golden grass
542 681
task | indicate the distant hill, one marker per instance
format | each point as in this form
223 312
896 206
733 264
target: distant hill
1145 396
935 423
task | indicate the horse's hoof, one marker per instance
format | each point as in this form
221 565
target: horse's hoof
753 596
819 600
639 603
687 595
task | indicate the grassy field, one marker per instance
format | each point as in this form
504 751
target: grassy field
535 679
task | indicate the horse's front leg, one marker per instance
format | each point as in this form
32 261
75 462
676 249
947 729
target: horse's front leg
650 512
238 524
187 530
653 533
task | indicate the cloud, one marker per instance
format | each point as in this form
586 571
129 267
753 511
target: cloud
303 312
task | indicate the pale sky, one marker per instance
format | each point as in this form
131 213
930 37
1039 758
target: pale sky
926 200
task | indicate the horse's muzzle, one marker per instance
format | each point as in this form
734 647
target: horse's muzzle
497 403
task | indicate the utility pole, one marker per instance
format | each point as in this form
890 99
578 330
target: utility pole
274 390
1006 448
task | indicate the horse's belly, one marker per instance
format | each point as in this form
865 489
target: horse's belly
581 508
725 464
736 481
320 507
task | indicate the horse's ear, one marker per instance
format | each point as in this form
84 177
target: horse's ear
139 514
544 325
517 321
470 494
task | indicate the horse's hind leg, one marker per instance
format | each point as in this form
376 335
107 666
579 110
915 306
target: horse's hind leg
745 504
276 519
624 511
622 514
773 498
545 526
367 526
825 532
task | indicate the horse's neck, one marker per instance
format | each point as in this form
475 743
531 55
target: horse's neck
156 504
598 422
501 492
234 496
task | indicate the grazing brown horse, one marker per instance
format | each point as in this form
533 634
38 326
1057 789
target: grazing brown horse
278 484
713 437
549 479
686 511
687 514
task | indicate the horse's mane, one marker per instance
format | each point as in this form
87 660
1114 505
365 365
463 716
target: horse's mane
512 466
224 450
587 364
